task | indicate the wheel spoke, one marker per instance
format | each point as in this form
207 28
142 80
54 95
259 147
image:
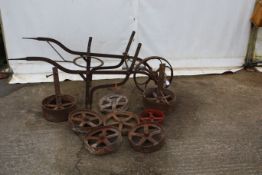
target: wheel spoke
146 129
66 104
128 118
112 136
107 142
137 134
76 119
129 124
155 133
141 141
92 138
120 127
50 105
150 139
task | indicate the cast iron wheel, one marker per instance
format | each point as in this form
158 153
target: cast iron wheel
113 102
147 137
124 121
82 121
152 116
54 112
166 96
103 140
145 68
66 102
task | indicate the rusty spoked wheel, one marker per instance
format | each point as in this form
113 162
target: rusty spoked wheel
166 96
103 140
124 121
82 121
152 116
147 68
147 137
66 102
113 102
58 112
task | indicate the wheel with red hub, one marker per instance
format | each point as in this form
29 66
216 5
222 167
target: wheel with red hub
147 137
103 140
124 121
113 102
83 120
152 116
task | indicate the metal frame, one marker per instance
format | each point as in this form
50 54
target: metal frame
88 73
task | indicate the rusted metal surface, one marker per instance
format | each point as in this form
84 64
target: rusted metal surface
57 107
124 121
144 66
58 113
159 97
152 116
82 121
146 137
113 102
103 140
162 102
4 75
153 77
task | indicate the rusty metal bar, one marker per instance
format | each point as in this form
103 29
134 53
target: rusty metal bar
128 72
88 76
89 71
57 86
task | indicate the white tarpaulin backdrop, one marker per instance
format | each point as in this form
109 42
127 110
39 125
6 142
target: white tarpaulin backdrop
197 37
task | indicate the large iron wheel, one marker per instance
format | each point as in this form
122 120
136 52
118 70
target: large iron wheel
147 68
147 137
124 121
82 121
103 140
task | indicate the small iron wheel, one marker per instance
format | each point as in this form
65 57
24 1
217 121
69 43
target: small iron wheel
146 68
152 116
66 102
113 102
124 121
147 137
166 96
83 120
103 140
58 112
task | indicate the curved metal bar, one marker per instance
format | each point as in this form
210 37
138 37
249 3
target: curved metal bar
57 43
107 86
128 73
72 51
51 62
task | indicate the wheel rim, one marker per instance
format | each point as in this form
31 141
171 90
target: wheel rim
152 116
66 102
103 140
113 102
83 120
144 68
124 121
147 137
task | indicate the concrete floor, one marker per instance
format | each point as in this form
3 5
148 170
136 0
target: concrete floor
214 129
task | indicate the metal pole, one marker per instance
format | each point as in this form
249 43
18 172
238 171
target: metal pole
88 77
57 86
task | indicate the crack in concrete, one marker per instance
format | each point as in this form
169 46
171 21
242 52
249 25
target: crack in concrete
78 155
